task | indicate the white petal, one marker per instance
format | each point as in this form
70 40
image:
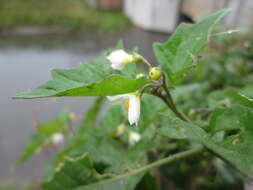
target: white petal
134 109
118 97
117 58
118 65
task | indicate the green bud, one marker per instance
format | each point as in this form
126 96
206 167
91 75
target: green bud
155 73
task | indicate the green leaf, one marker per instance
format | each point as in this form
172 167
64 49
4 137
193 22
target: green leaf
227 97
247 90
95 78
43 135
91 115
111 119
151 107
148 182
36 142
59 124
223 119
72 173
126 181
176 56
236 149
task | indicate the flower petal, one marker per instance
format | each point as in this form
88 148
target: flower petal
118 97
134 109
118 59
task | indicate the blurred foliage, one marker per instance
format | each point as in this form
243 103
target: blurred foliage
66 14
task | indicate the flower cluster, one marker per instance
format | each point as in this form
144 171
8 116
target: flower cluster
119 59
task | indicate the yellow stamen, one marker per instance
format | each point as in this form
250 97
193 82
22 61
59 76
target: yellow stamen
126 103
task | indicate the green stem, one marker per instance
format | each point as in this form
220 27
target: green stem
169 101
167 160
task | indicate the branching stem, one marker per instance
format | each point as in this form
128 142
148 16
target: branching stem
169 100
167 160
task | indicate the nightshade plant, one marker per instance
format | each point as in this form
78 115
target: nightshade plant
111 152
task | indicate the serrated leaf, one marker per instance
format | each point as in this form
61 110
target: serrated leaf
95 78
176 56
236 149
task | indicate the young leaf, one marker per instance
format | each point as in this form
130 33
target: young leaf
95 78
176 56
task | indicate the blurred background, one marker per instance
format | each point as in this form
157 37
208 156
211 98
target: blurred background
38 35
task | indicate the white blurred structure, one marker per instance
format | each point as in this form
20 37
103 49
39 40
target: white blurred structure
156 15
162 15
241 11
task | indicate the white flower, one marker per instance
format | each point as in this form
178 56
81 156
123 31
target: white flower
58 138
133 138
119 59
132 104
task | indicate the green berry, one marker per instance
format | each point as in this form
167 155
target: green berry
155 73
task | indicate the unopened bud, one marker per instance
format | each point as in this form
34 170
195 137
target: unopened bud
155 73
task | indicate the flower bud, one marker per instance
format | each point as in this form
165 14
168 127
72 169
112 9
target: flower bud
155 73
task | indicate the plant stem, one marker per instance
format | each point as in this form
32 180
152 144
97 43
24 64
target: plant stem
169 159
172 158
169 101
